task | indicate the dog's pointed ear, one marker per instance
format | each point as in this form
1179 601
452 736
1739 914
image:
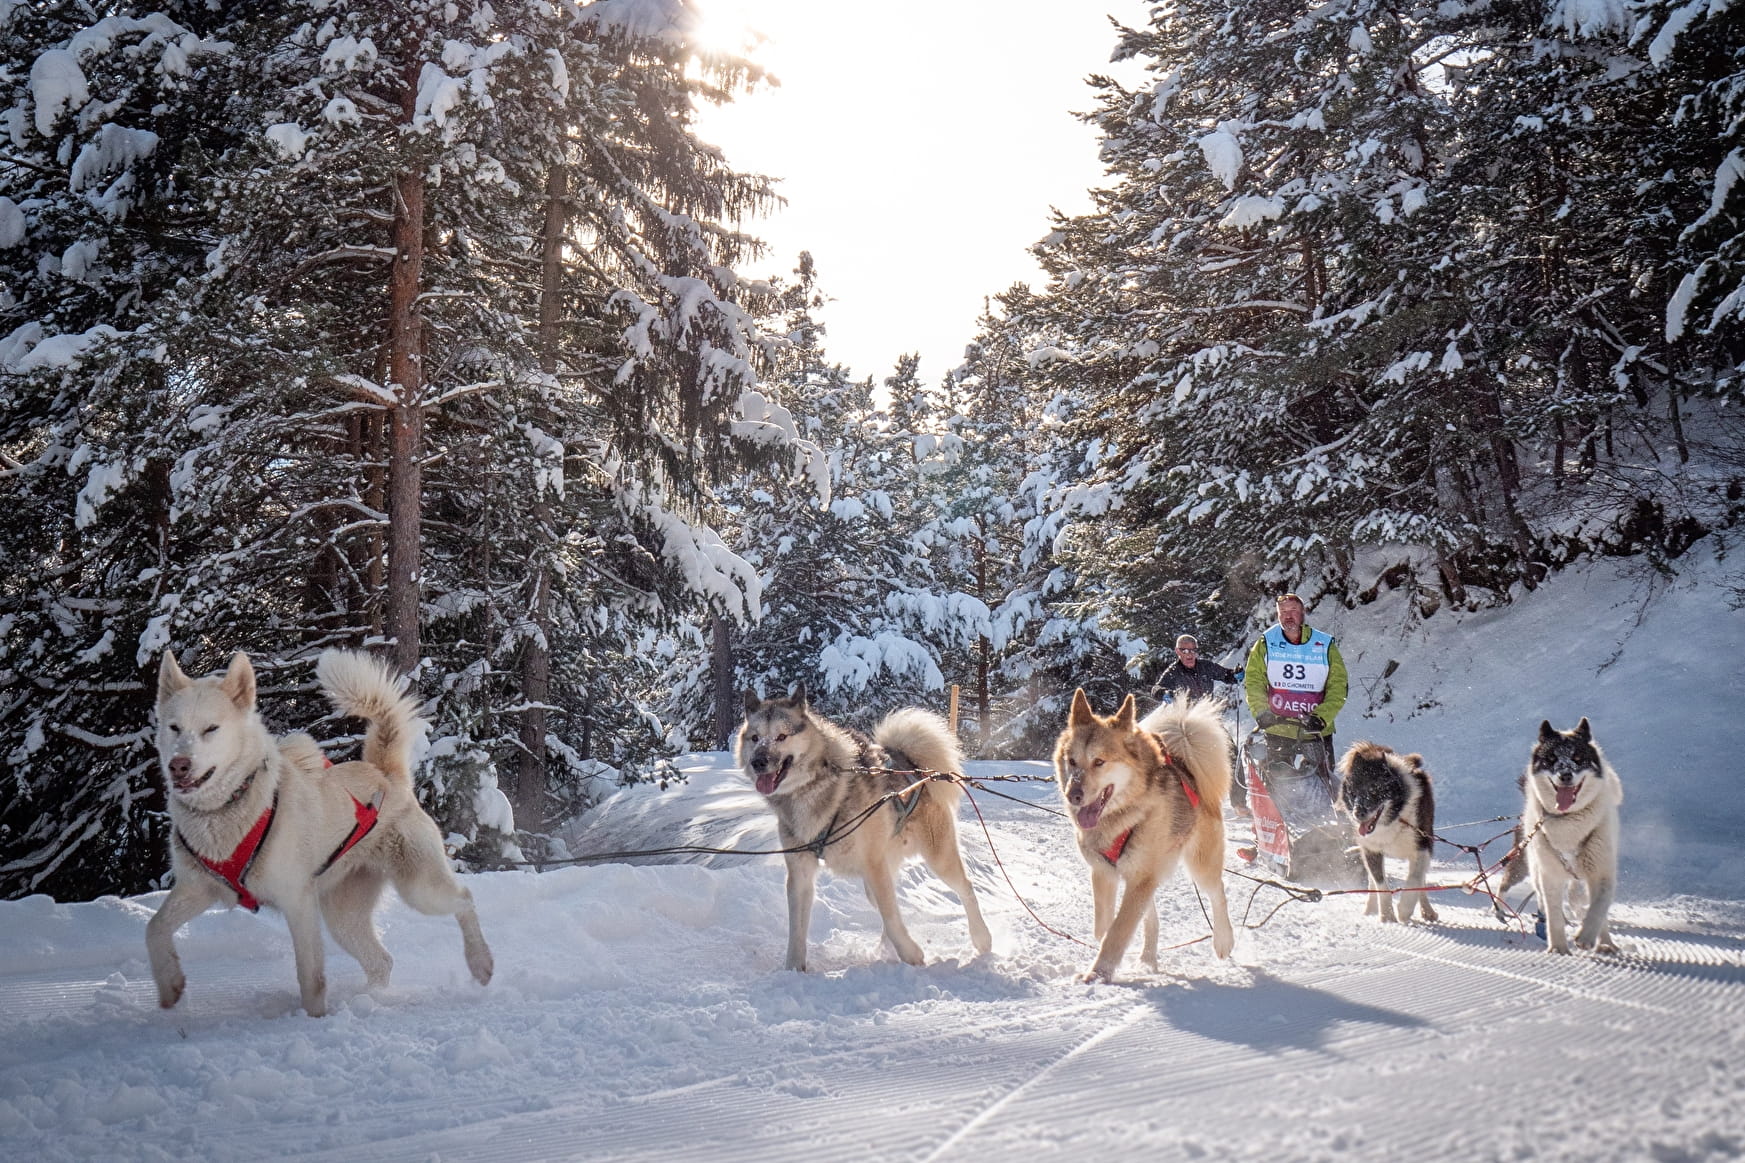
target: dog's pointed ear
799 696
752 702
238 681
1415 761
1128 716
1546 731
1583 731
170 676
1081 710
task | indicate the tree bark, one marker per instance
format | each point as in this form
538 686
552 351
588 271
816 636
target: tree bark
532 782
984 648
406 421
721 664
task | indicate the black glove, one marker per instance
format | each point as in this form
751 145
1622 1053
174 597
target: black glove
1265 719
1316 724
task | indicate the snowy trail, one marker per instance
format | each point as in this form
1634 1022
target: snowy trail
640 1013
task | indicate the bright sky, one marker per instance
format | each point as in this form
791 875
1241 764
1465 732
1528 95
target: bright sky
921 145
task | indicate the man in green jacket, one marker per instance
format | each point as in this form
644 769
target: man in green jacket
1296 683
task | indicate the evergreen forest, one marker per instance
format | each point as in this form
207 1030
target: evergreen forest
428 326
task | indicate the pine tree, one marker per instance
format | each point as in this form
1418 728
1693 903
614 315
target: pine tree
298 330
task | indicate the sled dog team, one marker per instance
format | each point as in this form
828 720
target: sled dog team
258 819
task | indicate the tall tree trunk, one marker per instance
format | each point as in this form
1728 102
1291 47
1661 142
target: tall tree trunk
406 420
721 665
370 551
1672 411
532 782
984 649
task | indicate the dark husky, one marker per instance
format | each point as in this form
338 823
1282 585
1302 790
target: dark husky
1144 794
1569 834
1390 801
814 776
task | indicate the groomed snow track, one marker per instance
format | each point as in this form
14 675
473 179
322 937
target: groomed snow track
640 1014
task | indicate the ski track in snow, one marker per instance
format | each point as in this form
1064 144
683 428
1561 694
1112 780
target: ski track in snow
639 1011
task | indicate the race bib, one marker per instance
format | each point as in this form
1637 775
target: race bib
1296 675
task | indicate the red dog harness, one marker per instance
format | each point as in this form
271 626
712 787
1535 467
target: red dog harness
233 868
367 814
1113 852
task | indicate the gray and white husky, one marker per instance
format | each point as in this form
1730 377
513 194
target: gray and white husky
818 778
258 820
1389 799
1569 830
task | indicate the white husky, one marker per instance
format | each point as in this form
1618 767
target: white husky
1570 823
259 821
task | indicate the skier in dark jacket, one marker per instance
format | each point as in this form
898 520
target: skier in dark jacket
1191 676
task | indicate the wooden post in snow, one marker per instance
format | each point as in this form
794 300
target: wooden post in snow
953 715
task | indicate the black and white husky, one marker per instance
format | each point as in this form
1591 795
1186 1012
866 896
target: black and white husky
1391 804
1569 833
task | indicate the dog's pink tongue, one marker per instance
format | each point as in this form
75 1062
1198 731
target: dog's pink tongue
1566 793
766 782
1093 811
1368 824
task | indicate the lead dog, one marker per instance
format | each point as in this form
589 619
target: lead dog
819 778
1569 834
1144 794
259 821
1390 801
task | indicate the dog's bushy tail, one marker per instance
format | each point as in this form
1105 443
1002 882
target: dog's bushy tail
927 740
365 686
1192 731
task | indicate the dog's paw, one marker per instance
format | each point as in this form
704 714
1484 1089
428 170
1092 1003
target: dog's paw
912 955
1222 943
170 991
1428 913
1097 975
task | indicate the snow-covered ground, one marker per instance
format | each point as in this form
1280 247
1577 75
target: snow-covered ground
640 1011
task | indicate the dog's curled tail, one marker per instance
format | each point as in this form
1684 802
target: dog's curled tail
363 685
928 742
1192 731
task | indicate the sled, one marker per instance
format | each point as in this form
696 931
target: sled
1298 834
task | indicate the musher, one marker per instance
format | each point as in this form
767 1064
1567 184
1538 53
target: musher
1296 684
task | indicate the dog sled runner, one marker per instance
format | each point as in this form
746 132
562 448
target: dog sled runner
1297 833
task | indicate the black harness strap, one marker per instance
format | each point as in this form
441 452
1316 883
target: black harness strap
903 805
